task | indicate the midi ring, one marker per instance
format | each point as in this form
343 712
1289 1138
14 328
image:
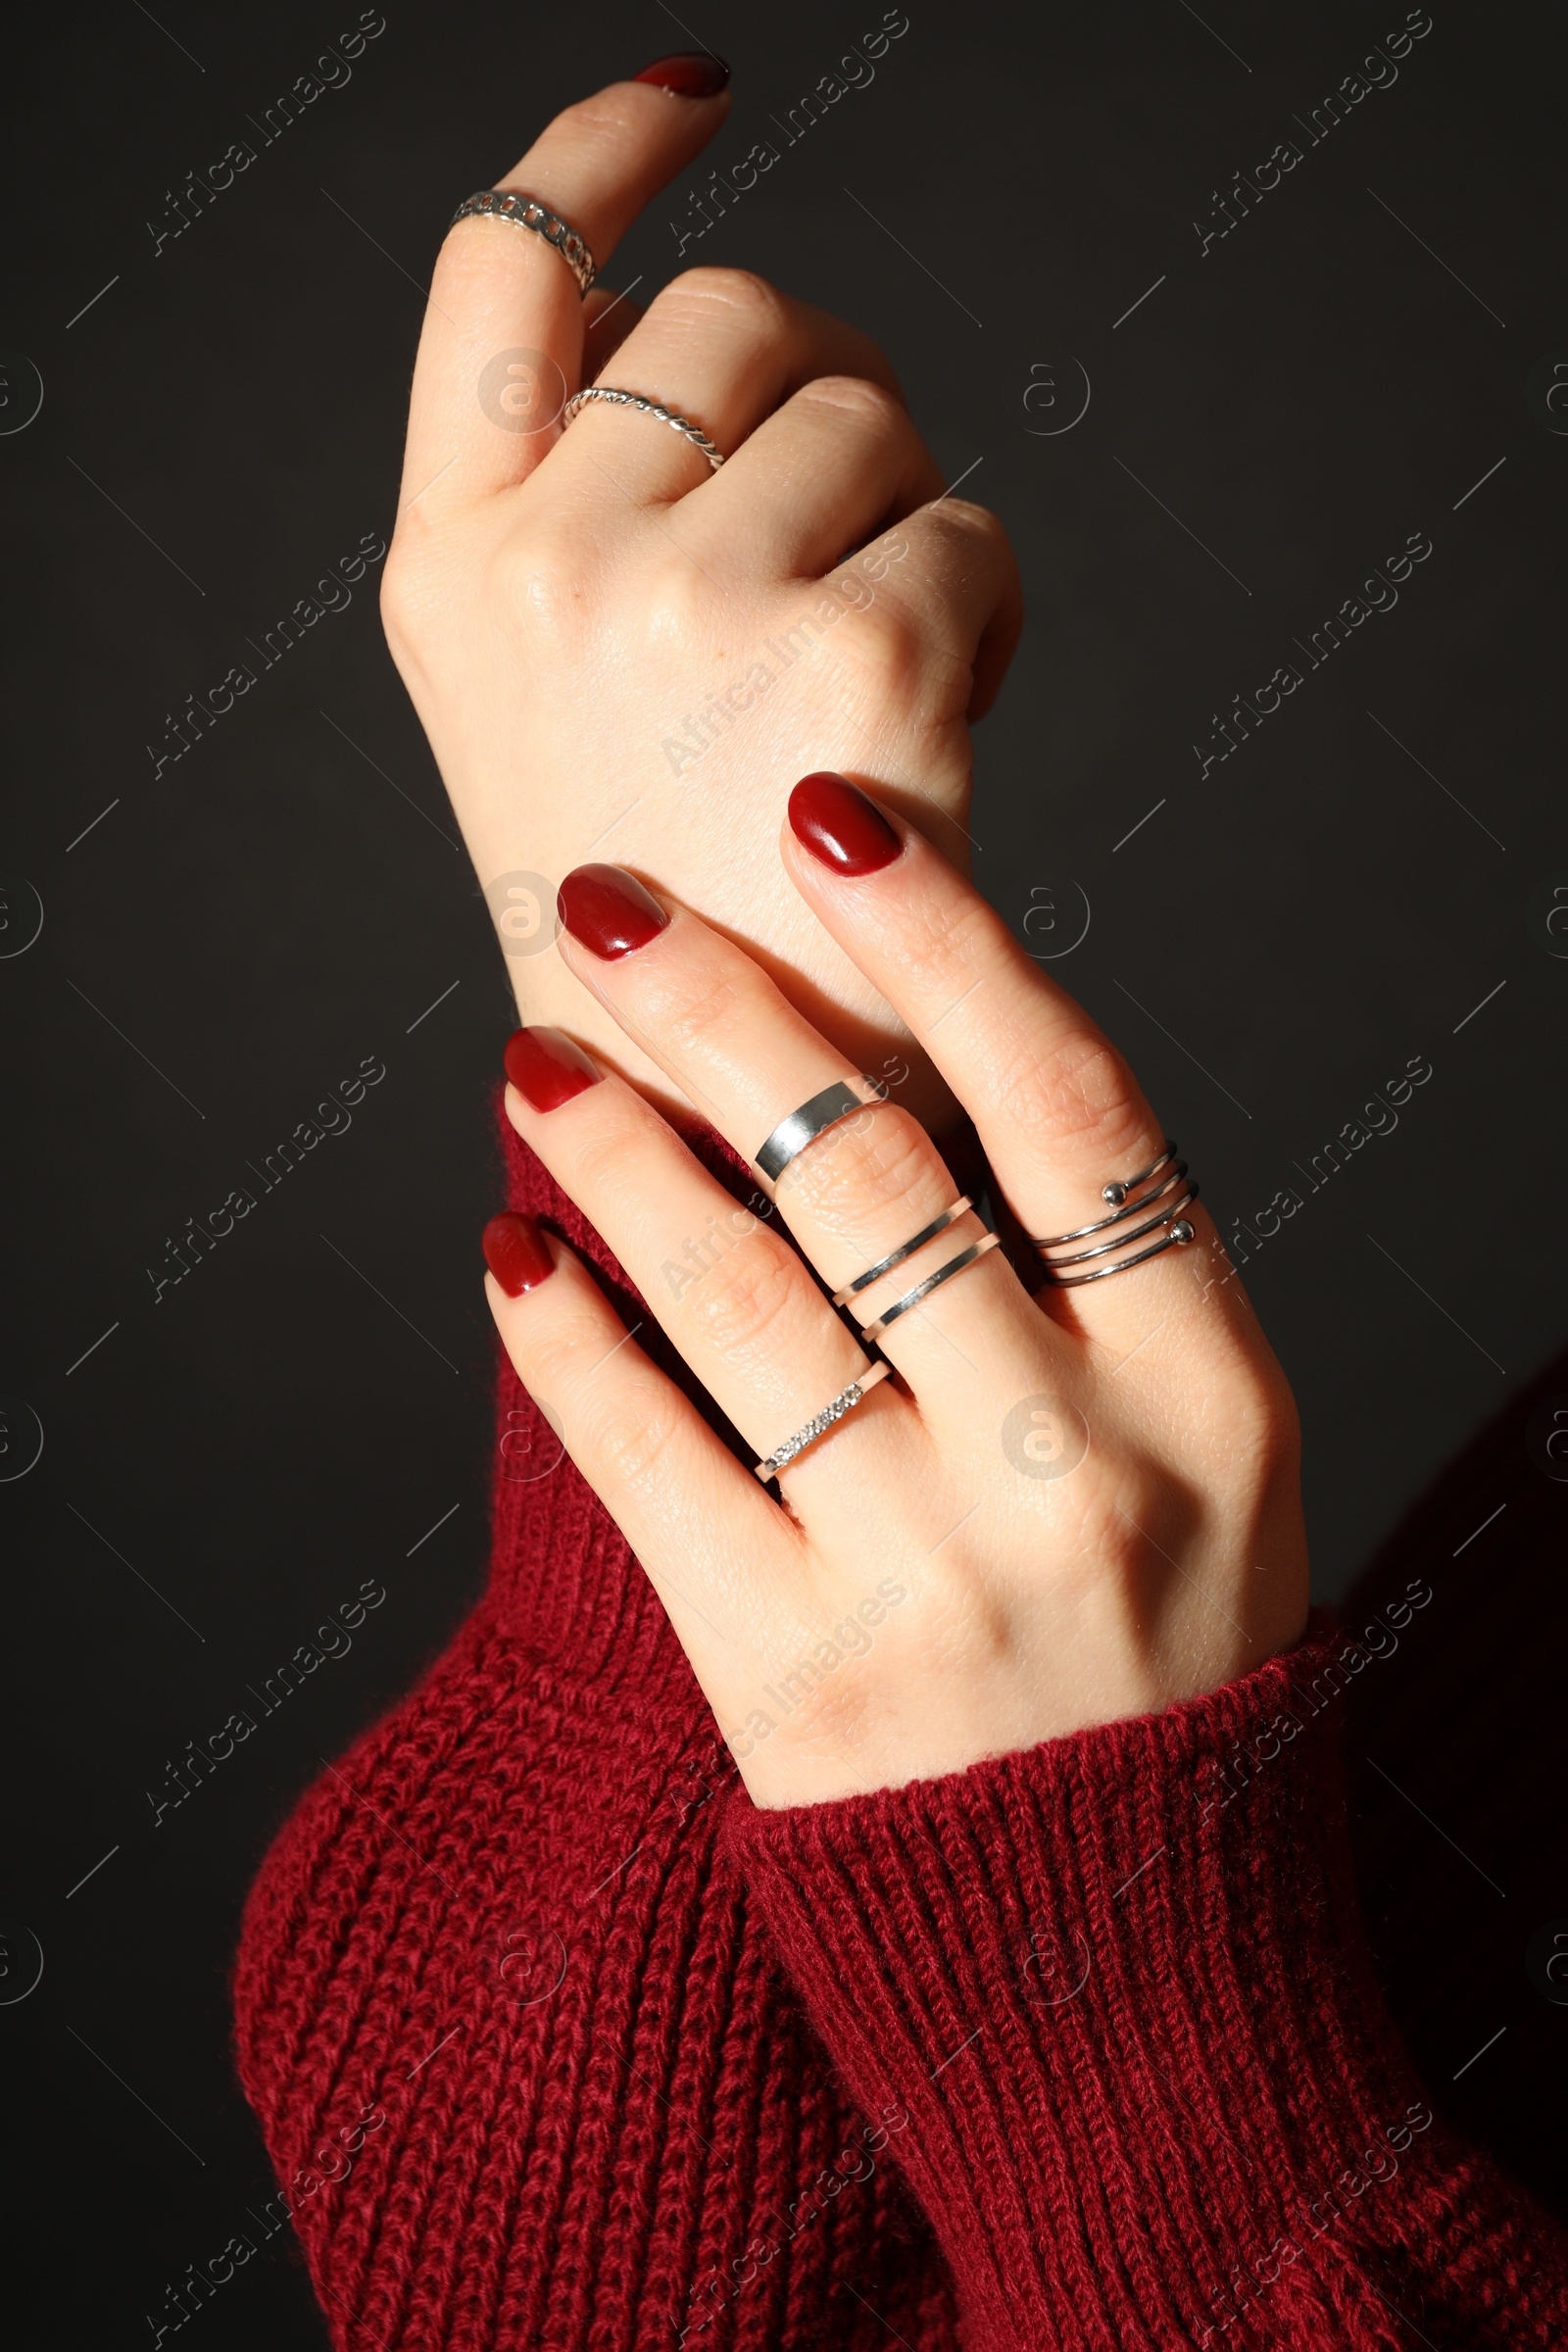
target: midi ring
845 1402
694 434
791 1136
509 203
933 1282
885 1265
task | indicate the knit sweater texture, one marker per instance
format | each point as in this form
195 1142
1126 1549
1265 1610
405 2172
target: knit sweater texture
556 2041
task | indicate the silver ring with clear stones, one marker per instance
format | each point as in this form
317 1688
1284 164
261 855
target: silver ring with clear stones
651 407
527 212
845 1402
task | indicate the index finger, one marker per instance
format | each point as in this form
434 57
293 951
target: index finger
505 306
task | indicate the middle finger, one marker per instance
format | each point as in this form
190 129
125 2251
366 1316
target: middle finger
865 1189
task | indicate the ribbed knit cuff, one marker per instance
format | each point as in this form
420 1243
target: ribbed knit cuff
1117 1987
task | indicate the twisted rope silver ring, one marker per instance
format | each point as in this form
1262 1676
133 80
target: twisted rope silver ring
651 407
845 1402
527 212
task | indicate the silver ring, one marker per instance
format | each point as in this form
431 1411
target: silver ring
845 1402
1182 1232
885 1265
932 1282
651 407
791 1136
1130 1196
1118 1194
509 203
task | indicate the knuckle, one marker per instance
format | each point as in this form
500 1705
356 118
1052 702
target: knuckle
888 653
630 1439
685 1007
861 400
746 301
747 1295
1077 1090
863 1170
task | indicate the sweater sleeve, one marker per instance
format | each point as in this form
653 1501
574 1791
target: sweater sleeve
1119 1987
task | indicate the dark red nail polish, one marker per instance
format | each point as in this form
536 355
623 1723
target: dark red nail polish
608 910
547 1068
517 1252
690 74
844 830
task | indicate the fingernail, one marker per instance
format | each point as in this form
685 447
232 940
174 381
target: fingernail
690 74
547 1068
841 829
608 910
517 1252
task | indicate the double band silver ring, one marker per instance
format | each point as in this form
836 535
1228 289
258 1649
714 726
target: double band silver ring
933 1282
791 1136
694 434
896 1258
1163 1188
845 1402
525 211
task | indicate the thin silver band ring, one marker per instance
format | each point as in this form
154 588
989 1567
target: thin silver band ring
791 1136
845 1402
885 1265
694 434
933 1282
527 212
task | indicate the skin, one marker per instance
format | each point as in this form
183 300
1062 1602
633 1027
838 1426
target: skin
557 603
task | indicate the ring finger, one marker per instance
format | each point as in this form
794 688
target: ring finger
722 348
723 1282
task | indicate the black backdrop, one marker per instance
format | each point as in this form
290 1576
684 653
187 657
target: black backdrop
1016 203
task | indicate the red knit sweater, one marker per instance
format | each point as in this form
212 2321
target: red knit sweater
556 2039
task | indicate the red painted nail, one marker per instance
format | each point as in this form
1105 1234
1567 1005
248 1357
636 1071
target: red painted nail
609 911
517 1252
547 1068
690 74
841 829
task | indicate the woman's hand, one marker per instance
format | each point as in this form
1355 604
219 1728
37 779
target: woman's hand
1057 1512
615 651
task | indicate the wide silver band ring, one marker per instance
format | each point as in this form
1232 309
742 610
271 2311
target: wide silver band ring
933 1282
896 1258
845 1402
527 212
791 1136
694 434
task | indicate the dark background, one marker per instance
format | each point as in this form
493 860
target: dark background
229 940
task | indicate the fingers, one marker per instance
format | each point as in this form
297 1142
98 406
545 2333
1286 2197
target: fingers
607 319
690 1512
1058 1110
733 1296
869 1184
723 347
959 578
499 289
821 475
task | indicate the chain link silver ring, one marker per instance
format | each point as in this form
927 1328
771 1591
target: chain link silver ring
527 212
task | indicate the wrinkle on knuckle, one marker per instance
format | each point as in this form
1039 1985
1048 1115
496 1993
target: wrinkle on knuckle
1077 1090
745 1296
859 397
630 1439
873 1166
742 300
